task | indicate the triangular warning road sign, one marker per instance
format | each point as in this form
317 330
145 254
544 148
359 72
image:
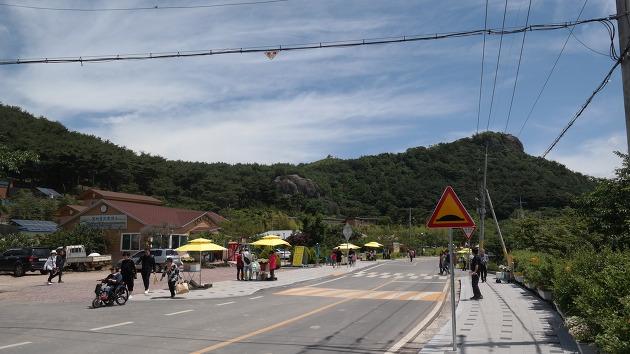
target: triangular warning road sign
468 231
272 54
450 212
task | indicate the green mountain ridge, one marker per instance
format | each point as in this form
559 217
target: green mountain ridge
384 185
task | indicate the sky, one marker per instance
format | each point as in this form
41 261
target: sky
305 105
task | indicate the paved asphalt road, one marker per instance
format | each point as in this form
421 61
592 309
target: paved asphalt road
366 311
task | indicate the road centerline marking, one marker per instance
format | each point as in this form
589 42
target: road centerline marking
15 345
177 313
110 326
226 303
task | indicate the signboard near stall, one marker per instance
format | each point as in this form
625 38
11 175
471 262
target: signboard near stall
299 256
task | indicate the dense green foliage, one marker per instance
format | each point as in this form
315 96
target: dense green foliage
379 186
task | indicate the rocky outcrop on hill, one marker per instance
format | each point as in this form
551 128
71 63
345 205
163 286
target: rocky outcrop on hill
291 185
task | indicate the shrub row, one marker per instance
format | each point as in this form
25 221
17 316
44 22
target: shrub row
591 288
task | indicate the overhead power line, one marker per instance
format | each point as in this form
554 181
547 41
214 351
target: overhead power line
156 7
337 44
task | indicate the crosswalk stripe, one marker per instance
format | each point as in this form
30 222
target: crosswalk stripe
366 294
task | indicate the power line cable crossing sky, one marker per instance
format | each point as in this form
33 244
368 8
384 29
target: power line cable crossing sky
389 93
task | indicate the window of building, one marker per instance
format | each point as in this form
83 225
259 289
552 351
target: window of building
178 240
130 242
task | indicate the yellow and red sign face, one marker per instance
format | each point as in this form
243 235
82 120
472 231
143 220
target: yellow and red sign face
450 212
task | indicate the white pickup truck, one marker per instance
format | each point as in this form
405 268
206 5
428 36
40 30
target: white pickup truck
76 258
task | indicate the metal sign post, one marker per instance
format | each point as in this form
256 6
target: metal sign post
450 213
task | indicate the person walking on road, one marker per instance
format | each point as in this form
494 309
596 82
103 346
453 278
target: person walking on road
475 265
60 262
411 253
171 272
128 272
148 267
51 266
484 265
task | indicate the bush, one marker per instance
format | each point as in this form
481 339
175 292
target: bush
536 267
595 287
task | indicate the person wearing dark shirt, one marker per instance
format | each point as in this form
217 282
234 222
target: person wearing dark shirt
475 268
128 272
60 262
148 267
111 281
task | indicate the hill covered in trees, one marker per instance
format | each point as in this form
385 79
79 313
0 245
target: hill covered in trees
383 186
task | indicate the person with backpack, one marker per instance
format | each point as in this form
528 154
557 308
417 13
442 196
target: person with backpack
247 267
239 266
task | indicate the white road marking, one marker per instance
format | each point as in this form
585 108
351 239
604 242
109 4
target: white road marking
176 313
110 326
254 298
225 303
414 332
14 345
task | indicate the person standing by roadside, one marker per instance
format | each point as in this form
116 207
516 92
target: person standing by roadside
447 262
411 253
171 272
474 267
339 256
247 261
148 267
51 266
128 272
60 262
484 264
239 266
273 263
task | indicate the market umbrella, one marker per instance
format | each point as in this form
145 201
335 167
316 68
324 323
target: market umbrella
348 246
200 245
464 250
270 240
373 244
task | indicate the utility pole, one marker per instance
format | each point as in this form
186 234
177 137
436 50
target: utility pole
410 224
482 210
623 24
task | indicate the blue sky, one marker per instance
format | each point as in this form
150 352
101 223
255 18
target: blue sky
304 105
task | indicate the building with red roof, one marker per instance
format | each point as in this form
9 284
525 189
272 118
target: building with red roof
128 218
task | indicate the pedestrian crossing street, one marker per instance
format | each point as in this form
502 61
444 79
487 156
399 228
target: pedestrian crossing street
366 294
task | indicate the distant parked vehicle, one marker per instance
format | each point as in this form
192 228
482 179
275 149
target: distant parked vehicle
76 258
160 255
24 259
283 254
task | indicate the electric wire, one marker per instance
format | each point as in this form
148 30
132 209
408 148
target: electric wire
588 101
307 46
553 68
518 69
496 70
156 7
483 59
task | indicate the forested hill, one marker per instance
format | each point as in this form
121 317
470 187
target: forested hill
375 186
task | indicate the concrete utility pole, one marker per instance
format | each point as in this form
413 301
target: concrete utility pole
482 210
623 24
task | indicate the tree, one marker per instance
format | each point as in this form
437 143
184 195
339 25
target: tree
12 161
607 208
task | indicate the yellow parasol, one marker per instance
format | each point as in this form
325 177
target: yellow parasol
270 240
465 250
348 245
200 245
373 244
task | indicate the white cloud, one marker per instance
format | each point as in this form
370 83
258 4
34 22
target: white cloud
594 157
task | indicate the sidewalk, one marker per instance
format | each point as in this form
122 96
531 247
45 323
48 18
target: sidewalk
509 319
